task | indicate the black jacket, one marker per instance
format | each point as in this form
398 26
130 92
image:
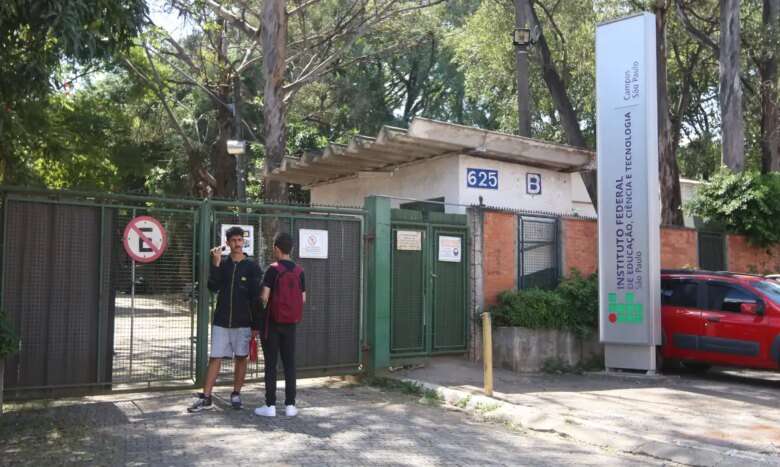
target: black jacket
238 289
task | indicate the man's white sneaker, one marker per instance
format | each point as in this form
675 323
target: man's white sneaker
290 410
266 411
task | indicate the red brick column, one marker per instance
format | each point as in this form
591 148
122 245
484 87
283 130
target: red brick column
499 263
580 245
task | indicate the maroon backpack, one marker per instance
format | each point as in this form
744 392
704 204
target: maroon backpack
286 303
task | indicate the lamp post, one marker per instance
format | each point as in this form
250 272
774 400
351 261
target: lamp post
521 39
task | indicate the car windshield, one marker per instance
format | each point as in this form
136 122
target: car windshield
771 288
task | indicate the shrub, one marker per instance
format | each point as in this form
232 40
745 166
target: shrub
572 306
9 343
747 203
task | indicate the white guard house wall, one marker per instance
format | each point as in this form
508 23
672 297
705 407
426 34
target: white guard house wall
447 177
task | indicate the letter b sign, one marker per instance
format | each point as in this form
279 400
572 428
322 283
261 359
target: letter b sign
533 184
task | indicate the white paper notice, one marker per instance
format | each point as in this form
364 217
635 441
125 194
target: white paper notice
449 249
313 243
408 240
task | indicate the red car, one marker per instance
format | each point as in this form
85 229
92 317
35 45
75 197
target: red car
718 318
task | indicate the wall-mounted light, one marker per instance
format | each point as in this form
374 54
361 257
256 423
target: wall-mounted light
521 37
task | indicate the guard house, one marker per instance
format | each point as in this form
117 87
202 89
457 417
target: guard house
444 162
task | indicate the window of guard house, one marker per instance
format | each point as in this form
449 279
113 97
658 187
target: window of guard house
680 293
537 252
725 297
425 206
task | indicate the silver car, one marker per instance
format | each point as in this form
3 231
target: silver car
774 277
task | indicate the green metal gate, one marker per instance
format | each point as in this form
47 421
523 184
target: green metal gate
428 287
90 317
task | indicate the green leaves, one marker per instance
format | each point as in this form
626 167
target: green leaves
572 306
9 342
747 203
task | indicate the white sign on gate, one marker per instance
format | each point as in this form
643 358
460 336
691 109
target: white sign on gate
249 237
450 249
408 240
313 243
144 239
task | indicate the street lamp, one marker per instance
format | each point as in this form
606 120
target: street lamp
521 37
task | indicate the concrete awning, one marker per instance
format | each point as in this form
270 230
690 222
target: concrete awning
425 139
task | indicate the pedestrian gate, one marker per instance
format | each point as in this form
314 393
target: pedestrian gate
89 316
428 283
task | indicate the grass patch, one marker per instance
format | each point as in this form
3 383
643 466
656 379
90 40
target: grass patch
428 396
485 407
463 403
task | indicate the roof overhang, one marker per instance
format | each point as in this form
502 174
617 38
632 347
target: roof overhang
424 140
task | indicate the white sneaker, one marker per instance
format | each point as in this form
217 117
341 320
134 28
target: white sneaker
266 411
290 410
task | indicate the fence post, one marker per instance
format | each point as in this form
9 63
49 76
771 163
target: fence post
202 333
378 233
487 352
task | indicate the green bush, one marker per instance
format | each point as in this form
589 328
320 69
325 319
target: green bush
747 203
572 306
9 343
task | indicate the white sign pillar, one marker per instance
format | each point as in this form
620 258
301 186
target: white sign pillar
628 192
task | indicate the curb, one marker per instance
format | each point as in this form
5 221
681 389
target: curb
580 430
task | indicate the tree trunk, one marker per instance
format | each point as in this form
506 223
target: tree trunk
669 173
732 123
770 107
224 164
568 116
274 30
523 87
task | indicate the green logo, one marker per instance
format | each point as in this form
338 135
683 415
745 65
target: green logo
627 312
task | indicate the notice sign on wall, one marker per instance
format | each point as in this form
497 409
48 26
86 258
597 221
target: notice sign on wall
313 244
629 216
450 249
408 240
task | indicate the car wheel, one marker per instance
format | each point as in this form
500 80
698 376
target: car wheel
696 367
664 363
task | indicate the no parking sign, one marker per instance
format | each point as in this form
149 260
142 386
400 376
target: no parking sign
145 239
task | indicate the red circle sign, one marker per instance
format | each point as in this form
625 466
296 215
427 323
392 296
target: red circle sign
145 239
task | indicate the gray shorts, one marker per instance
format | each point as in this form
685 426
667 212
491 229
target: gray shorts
230 342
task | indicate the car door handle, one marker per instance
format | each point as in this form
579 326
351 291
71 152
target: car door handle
713 319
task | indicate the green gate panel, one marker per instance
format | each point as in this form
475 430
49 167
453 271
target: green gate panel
449 298
407 318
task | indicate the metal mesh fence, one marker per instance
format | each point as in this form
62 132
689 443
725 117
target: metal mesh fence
329 334
538 252
154 304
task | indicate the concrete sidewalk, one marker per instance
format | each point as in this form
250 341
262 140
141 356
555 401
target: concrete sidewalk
718 419
339 424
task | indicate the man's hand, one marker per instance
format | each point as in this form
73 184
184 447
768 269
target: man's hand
216 255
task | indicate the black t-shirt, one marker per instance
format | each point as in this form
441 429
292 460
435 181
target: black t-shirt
270 275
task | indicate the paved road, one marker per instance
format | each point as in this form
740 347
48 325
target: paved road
339 424
732 415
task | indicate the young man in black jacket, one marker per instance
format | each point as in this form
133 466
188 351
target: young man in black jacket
236 280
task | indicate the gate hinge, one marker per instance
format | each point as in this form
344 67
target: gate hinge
369 237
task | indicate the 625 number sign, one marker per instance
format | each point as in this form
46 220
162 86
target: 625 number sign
482 178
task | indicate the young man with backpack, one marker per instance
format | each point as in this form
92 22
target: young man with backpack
236 280
283 293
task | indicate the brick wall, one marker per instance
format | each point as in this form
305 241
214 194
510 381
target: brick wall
499 264
743 257
580 244
679 248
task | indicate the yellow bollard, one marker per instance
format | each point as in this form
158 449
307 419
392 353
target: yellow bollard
487 352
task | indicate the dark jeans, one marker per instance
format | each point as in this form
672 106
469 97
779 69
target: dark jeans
280 339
